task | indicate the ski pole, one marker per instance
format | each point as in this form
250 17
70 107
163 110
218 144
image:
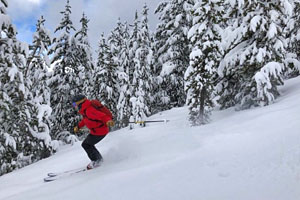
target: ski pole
149 121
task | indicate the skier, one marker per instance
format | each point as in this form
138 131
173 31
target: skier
98 122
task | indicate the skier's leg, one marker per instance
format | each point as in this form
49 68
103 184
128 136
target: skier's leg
89 146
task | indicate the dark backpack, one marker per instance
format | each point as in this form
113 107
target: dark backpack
96 104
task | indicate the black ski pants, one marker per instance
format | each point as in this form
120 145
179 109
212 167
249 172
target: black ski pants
89 146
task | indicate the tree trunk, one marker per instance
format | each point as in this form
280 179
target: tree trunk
202 104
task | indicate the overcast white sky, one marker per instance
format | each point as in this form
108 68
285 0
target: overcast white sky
103 14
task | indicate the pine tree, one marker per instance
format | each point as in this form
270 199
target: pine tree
205 36
123 105
296 36
106 80
141 82
159 98
115 42
173 48
256 50
65 81
15 137
38 101
293 39
133 45
84 57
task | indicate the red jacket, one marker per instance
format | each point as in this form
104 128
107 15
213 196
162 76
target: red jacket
93 119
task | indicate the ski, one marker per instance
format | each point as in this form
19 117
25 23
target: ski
54 176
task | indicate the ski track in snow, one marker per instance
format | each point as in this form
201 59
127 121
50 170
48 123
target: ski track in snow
241 155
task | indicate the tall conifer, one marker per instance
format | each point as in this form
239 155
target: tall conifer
65 81
205 36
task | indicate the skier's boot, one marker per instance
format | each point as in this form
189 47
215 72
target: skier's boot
94 164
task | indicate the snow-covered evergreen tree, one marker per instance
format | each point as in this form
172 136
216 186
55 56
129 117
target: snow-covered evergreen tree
106 77
66 80
205 36
115 42
296 36
293 38
256 49
38 101
159 98
15 138
173 48
133 45
123 105
84 62
141 82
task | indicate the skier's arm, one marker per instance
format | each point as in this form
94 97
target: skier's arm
81 124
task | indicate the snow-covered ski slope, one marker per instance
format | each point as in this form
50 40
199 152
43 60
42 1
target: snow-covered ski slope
246 155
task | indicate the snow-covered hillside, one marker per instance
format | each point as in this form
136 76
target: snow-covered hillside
246 155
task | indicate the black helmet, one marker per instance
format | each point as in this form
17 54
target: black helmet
78 97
